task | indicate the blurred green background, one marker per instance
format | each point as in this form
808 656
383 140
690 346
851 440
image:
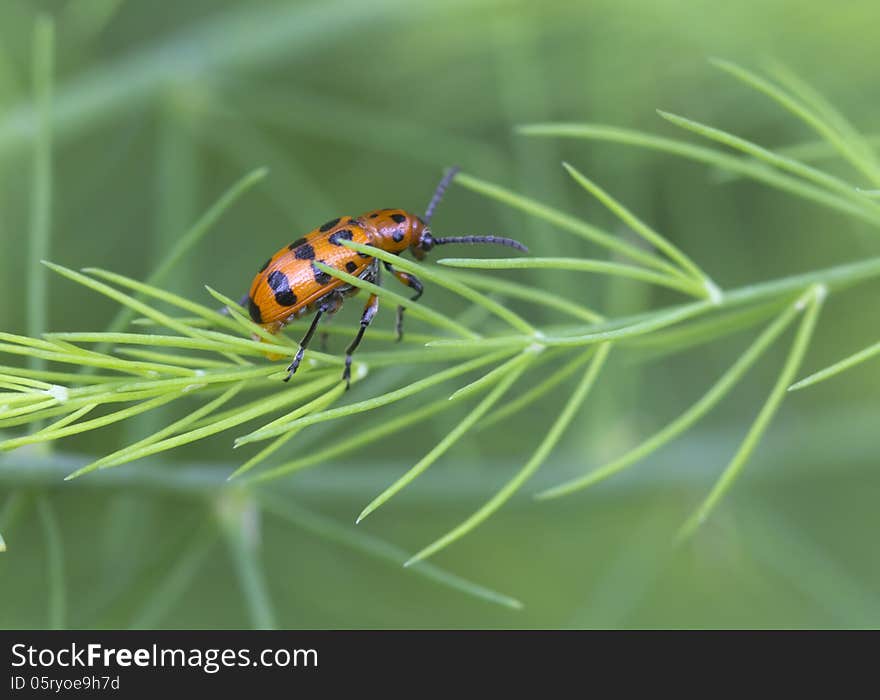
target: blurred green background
358 104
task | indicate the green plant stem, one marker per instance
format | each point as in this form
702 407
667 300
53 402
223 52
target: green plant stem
37 298
834 278
239 519
57 607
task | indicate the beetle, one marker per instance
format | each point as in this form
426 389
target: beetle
289 285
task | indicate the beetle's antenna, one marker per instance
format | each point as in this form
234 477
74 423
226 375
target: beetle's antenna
497 240
440 191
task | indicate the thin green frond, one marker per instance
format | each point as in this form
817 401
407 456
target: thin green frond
356 441
109 419
188 240
743 166
218 424
580 265
858 144
174 358
538 390
564 221
492 375
119 456
319 404
799 110
687 419
145 290
659 242
838 367
505 376
703 330
124 299
813 302
553 436
523 292
377 401
760 153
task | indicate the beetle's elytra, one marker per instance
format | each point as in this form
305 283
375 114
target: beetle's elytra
289 285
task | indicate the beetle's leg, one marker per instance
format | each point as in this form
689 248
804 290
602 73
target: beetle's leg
303 344
410 281
366 318
327 306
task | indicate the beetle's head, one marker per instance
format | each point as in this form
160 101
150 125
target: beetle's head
424 241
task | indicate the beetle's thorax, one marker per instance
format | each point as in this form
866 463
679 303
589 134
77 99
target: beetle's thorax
395 230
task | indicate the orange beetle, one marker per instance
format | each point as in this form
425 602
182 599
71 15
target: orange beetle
290 285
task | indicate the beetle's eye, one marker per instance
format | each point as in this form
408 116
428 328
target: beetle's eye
427 241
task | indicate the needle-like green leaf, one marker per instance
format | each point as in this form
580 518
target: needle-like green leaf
838 367
601 267
553 436
813 302
661 243
687 419
510 372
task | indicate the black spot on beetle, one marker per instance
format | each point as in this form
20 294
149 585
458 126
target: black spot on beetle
321 277
278 280
374 215
281 286
330 224
297 243
398 218
397 235
304 252
254 311
350 266
285 298
265 265
343 235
